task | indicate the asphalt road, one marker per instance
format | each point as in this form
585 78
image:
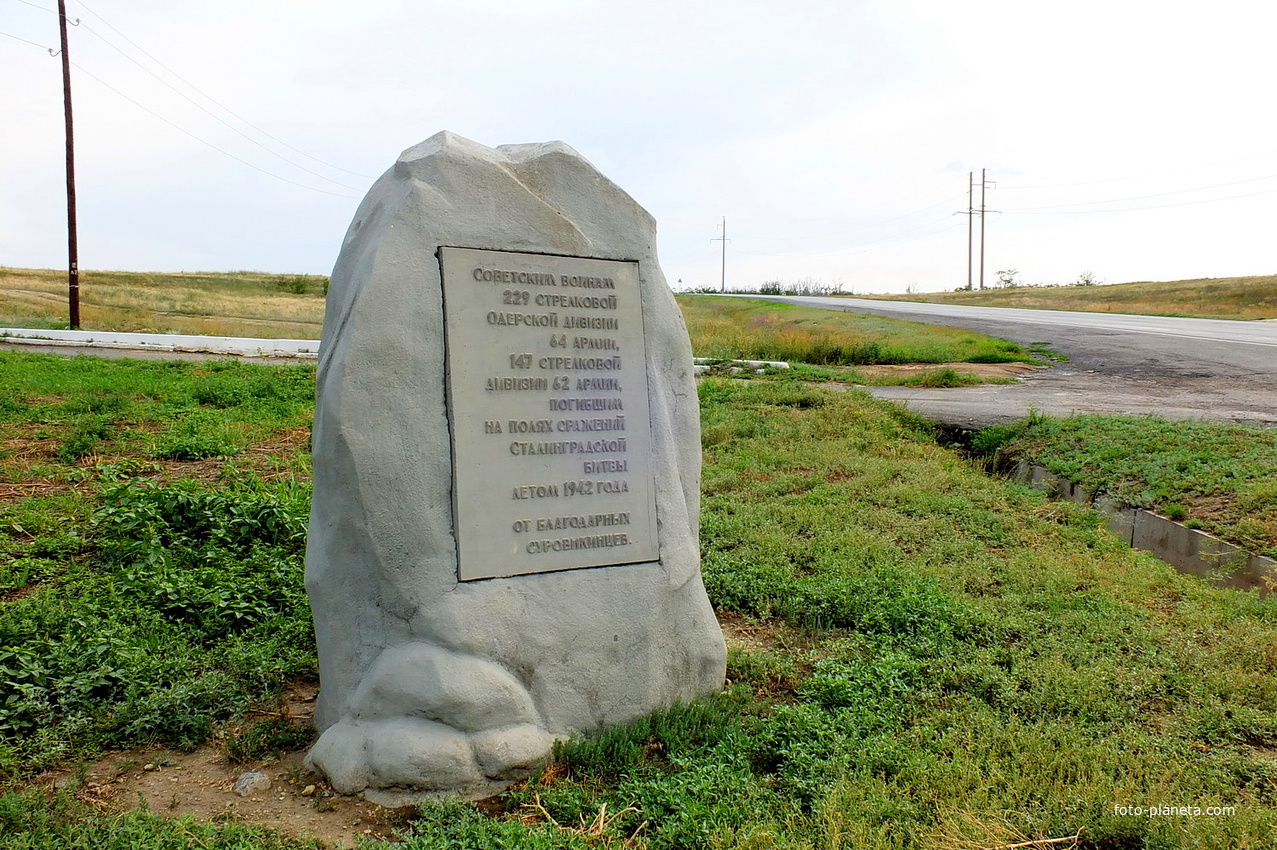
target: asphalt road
1178 368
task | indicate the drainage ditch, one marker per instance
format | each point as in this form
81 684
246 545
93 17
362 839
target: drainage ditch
1188 550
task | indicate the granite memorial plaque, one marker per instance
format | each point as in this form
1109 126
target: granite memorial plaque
551 438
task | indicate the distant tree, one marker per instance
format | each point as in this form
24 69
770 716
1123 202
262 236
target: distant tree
1087 278
1006 278
296 285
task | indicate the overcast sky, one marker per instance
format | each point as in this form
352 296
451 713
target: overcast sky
1132 140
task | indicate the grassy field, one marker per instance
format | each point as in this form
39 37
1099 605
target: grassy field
1220 478
920 656
256 304
1212 298
829 345
248 304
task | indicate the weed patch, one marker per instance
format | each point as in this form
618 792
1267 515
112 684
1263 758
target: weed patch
87 432
199 435
943 378
264 738
188 610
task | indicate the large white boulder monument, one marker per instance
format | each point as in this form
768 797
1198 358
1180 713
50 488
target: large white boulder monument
503 542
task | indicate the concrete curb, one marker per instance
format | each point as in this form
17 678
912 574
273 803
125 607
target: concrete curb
701 365
301 349
1186 549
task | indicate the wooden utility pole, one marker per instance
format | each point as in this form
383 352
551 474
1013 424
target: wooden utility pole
73 280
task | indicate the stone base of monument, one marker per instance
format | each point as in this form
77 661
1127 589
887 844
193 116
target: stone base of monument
503 543
426 718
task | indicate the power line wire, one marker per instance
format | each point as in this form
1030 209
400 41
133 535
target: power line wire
206 96
1141 209
32 43
862 226
216 117
214 101
207 143
864 246
1145 197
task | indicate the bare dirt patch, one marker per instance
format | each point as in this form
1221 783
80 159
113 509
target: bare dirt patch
18 492
30 449
18 455
774 639
740 633
201 784
20 593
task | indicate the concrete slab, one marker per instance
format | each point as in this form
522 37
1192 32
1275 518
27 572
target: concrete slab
1055 486
1119 517
240 346
1192 551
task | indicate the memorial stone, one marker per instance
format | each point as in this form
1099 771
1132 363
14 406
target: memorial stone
503 541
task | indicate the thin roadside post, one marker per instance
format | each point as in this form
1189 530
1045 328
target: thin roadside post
970 221
983 184
722 285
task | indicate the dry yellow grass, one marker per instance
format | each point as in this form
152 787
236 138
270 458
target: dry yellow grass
729 328
1216 298
249 304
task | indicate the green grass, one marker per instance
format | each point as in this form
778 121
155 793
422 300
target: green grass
144 604
726 328
936 658
159 410
1241 298
943 378
168 609
1221 478
34 822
